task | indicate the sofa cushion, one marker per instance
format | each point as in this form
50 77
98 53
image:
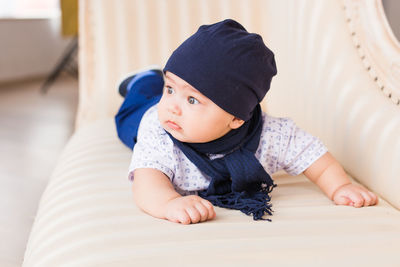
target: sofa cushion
87 217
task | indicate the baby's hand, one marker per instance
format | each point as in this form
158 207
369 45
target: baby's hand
354 195
189 209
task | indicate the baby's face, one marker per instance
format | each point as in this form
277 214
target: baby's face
191 117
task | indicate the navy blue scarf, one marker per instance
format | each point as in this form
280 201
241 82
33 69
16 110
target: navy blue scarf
238 181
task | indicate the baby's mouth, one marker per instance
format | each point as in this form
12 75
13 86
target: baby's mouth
172 125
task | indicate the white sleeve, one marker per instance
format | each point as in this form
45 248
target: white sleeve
299 149
153 148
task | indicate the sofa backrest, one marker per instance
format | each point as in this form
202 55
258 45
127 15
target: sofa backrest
338 68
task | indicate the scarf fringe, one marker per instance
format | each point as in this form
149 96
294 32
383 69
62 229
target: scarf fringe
256 204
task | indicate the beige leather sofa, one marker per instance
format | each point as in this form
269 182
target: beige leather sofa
338 77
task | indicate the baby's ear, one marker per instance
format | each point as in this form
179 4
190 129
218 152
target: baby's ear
236 123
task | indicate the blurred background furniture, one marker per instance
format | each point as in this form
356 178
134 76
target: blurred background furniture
338 69
34 128
69 27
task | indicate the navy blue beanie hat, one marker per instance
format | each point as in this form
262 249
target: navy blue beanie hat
227 64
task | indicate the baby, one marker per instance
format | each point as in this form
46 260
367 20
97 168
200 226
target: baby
200 139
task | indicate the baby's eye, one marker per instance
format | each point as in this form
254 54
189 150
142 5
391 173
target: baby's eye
193 100
170 90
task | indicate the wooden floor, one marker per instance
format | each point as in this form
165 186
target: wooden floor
34 127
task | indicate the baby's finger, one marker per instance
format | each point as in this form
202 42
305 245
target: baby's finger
194 214
210 208
367 198
357 199
374 198
342 200
183 217
202 210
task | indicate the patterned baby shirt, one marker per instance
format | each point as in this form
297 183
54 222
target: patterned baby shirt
283 146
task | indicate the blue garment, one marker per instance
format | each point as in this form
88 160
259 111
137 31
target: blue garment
143 91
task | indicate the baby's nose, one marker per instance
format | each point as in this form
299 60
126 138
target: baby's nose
174 109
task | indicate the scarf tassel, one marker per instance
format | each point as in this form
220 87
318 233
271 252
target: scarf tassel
256 204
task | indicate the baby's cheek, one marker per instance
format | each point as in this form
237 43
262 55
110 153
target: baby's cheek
198 133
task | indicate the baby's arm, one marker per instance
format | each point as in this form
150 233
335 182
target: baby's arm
154 193
329 175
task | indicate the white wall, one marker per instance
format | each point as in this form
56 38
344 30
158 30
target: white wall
29 47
